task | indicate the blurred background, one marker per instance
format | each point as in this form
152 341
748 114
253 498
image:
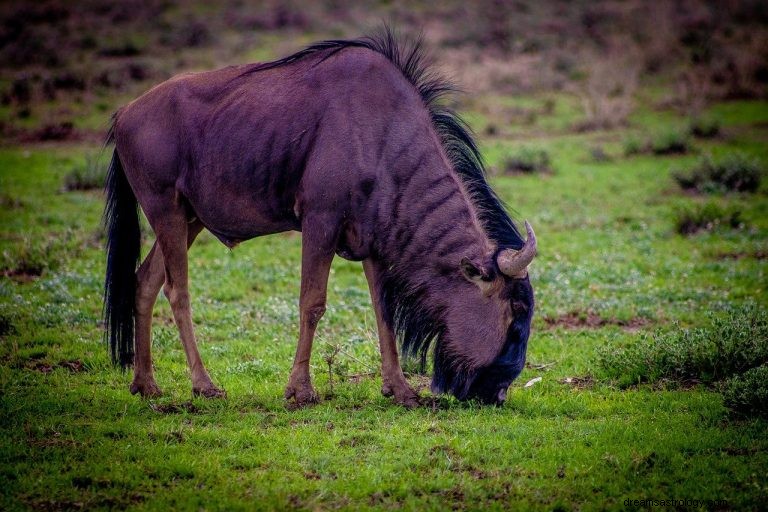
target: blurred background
66 65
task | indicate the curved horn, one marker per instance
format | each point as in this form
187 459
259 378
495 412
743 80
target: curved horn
515 263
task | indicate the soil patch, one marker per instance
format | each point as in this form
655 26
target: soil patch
758 255
579 382
172 408
576 320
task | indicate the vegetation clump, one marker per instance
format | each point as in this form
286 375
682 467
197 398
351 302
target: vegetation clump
527 160
633 145
671 142
709 216
748 393
88 175
734 173
733 346
704 127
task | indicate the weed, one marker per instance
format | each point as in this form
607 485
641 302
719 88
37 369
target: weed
599 155
526 160
734 173
671 142
704 127
748 393
709 216
730 345
87 175
633 145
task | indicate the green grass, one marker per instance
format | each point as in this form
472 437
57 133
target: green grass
73 437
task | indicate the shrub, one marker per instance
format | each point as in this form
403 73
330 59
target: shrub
704 127
730 345
671 142
748 393
598 154
734 173
632 145
86 176
526 160
690 220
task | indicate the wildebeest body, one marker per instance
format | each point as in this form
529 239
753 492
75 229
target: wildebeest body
336 142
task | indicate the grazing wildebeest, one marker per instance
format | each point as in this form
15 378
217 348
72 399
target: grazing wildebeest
349 143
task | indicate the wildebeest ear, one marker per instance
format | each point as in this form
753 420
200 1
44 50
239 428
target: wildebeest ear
476 274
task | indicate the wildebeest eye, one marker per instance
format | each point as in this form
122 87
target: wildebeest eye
519 308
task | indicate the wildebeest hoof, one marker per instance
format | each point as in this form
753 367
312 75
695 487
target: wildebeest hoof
403 395
302 396
209 392
145 388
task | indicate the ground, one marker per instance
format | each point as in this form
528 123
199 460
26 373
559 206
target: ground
612 270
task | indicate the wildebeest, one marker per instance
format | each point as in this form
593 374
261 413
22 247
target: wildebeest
349 142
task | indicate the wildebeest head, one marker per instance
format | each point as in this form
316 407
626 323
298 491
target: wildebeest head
482 349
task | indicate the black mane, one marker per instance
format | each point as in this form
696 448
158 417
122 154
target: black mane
416 322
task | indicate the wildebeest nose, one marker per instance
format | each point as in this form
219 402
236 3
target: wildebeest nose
501 396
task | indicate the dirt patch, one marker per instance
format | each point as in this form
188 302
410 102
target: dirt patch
579 382
172 408
576 320
23 273
758 255
75 366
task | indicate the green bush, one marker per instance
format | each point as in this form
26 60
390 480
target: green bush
692 219
526 161
632 145
730 345
88 175
671 142
704 127
748 393
734 173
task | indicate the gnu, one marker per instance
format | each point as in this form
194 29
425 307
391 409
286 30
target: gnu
349 143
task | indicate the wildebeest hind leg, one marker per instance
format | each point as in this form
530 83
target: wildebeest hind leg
171 229
393 380
149 280
317 250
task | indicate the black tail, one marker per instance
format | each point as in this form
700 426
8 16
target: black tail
121 220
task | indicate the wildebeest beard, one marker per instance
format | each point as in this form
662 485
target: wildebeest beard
418 322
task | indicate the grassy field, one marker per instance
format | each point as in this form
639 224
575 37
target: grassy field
618 129
612 269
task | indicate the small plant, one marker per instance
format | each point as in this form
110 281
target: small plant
747 394
690 220
704 127
734 173
527 161
671 142
632 145
89 175
598 154
330 352
730 345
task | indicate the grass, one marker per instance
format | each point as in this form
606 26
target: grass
733 173
731 345
73 437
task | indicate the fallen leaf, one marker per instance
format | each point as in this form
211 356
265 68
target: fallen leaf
532 382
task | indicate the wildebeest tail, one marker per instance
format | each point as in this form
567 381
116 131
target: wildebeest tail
121 220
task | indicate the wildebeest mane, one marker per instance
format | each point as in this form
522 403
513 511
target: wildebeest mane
417 323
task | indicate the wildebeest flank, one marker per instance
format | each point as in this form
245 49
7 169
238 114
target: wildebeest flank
349 143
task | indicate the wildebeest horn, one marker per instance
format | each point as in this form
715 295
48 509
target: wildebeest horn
515 263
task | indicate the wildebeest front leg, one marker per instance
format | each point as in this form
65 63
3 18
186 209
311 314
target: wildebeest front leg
172 237
393 380
317 250
149 280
